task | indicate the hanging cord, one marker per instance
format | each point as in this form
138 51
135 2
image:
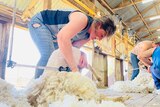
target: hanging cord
9 62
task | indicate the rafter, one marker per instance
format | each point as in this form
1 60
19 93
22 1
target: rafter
148 17
126 4
6 15
140 15
142 12
146 36
151 29
142 27
157 9
28 11
82 6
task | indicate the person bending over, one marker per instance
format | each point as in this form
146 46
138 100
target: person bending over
154 65
136 51
53 29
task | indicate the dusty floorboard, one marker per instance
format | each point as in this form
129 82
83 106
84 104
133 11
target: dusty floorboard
136 99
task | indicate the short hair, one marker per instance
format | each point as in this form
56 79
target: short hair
107 24
157 41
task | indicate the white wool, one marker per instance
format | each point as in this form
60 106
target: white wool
57 59
3 105
71 101
143 83
55 85
11 97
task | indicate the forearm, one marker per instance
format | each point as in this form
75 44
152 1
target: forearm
144 56
66 49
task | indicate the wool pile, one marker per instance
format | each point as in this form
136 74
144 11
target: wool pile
143 83
10 97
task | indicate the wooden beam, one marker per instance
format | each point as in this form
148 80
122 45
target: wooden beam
70 4
6 14
146 36
9 11
126 4
29 10
151 29
139 13
82 8
142 27
4 38
138 19
113 46
47 4
157 9
126 47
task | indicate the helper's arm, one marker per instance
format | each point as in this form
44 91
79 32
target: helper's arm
144 57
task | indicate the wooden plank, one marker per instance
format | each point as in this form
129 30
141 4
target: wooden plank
155 102
4 37
139 100
136 99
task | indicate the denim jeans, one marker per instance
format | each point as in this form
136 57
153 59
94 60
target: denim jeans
134 62
156 76
42 38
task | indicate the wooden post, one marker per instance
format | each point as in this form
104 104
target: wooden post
119 69
105 62
113 46
4 38
100 63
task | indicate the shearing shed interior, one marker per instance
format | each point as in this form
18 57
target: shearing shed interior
105 81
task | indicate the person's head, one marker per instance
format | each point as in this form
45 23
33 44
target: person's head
156 43
102 27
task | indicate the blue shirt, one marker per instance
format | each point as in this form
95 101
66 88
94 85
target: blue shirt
156 58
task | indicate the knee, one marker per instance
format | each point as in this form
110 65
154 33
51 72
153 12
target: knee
36 25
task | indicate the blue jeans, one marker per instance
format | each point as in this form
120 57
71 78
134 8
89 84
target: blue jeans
134 62
156 76
42 38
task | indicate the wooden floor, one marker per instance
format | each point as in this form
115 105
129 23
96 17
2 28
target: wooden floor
136 99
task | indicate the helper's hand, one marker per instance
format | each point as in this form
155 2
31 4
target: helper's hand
83 61
140 63
148 69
